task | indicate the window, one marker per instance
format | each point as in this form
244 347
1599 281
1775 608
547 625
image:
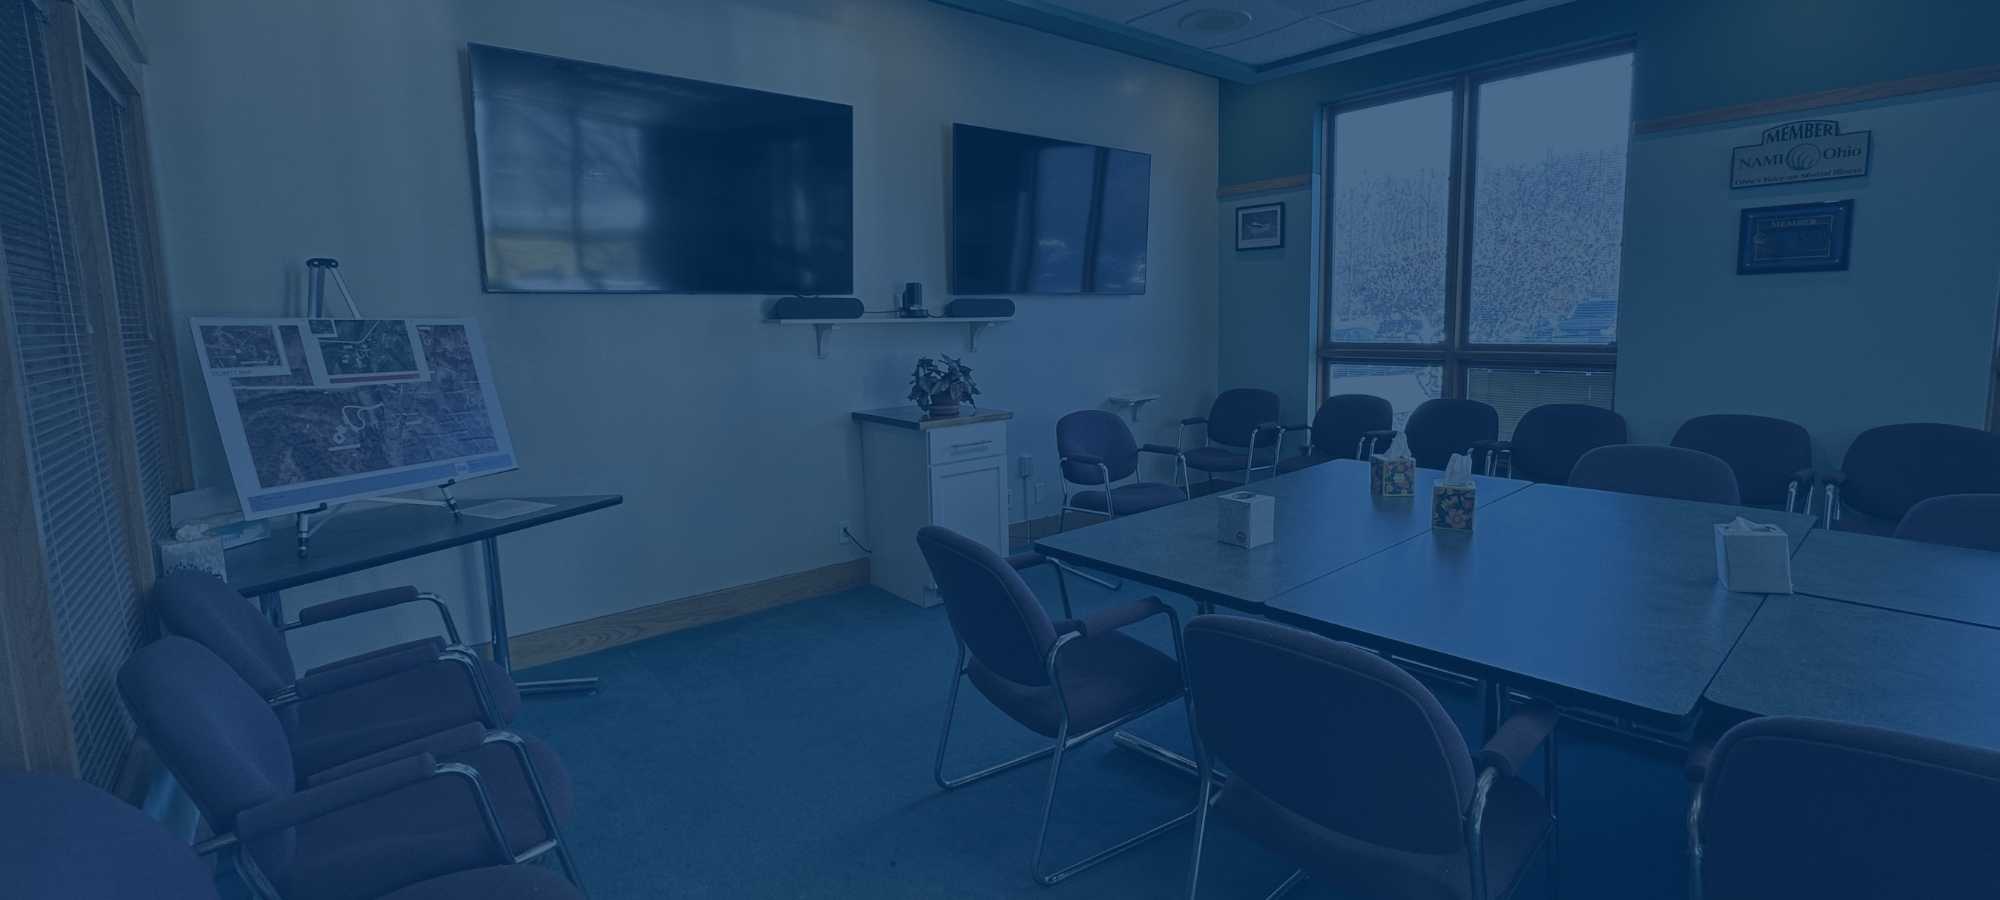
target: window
1474 233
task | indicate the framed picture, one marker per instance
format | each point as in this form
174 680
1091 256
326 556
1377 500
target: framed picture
1802 237
1260 227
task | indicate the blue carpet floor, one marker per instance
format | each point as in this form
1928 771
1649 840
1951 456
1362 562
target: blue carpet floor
788 755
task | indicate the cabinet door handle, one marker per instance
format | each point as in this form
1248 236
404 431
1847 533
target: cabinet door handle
970 444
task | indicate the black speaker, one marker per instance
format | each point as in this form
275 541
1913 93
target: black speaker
816 308
980 308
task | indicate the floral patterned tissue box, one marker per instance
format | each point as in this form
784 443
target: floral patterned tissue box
1452 506
1392 477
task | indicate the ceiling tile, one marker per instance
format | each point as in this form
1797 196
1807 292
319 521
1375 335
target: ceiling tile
1382 15
1292 40
1120 11
1266 16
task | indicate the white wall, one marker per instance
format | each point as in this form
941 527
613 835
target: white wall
1905 335
1266 330
289 128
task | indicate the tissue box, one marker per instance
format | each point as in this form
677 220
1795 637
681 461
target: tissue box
1247 519
1452 505
1754 562
203 554
1392 477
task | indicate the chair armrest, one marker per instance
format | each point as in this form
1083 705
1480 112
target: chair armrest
450 742
1110 619
1517 740
1161 449
1502 446
1195 420
1805 475
1026 560
1299 427
348 673
314 802
1380 434
1084 458
370 602
1699 757
1831 476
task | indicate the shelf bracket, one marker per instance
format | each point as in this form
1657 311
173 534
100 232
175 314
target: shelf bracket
972 330
820 331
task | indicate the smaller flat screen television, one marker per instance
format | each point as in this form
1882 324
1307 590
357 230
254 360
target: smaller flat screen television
1034 215
595 179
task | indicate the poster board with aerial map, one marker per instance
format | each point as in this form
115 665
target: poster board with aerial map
316 411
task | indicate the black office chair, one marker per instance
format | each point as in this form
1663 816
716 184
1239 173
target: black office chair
1097 451
1347 426
1676 473
1550 439
1342 762
1444 426
1794 807
460 800
1960 520
1240 432
1772 458
1069 681
1892 468
80 843
352 707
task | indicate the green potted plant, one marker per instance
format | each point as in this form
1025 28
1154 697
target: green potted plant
940 385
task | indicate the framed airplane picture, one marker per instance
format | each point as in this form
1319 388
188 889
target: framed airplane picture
1260 227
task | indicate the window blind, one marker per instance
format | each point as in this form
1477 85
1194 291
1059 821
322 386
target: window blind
90 582
135 324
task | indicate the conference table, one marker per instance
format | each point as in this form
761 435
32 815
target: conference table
1606 604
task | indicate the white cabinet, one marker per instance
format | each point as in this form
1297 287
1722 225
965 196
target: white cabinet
946 472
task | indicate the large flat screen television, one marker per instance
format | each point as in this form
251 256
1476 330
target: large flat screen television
603 180
1033 215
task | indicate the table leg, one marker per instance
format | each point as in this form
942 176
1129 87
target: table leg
496 607
273 606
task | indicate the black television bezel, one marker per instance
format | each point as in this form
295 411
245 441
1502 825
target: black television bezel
951 220
479 191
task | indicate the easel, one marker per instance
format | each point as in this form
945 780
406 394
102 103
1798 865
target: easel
317 269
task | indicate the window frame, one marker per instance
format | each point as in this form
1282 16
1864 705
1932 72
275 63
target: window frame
1457 353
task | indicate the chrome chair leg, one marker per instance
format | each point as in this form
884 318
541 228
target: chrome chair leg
1200 827
1048 811
1297 878
1108 584
944 740
1062 590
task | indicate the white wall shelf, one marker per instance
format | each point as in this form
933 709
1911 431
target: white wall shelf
973 326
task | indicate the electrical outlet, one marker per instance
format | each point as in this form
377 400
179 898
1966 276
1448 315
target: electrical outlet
1040 486
841 535
1024 466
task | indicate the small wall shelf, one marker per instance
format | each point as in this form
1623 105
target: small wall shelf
973 326
1133 402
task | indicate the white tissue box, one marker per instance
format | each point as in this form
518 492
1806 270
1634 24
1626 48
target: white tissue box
1754 561
1247 519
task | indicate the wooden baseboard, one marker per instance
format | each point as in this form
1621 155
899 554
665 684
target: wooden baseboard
604 632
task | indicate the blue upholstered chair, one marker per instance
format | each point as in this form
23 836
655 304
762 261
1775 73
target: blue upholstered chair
1892 468
1772 458
459 800
1347 426
129 855
1794 807
1441 427
1241 432
1549 440
1654 470
1068 681
1098 451
353 707
1960 520
1346 765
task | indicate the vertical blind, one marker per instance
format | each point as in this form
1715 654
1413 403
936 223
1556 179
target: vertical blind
135 325
90 581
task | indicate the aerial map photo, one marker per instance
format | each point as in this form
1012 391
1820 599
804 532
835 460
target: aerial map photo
242 349
367 350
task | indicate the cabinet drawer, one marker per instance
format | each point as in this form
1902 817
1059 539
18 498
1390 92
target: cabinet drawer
960 442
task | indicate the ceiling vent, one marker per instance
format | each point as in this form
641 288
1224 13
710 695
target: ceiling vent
1214 21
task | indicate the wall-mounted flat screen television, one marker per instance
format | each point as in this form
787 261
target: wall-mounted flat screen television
604 180
1032 215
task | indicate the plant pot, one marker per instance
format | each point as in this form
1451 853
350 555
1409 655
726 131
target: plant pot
942 406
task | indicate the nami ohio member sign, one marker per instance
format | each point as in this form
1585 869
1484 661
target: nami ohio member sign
1808 150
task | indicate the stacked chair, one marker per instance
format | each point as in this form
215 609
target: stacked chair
359 779
1889 470
1097 452
1241 433
43 855
1549 440
1347 426
1771 458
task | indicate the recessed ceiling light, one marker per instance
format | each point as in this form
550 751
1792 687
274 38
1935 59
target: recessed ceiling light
1214 21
